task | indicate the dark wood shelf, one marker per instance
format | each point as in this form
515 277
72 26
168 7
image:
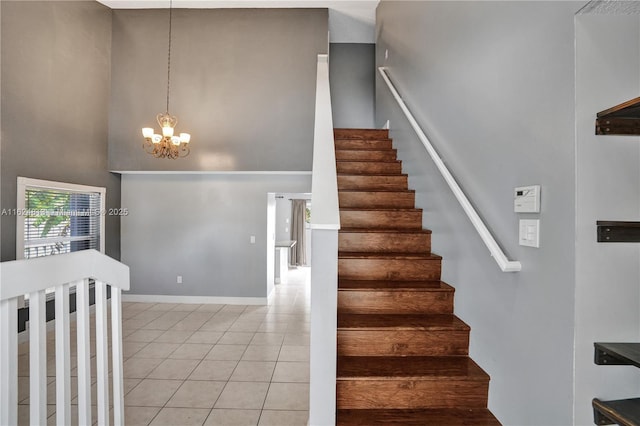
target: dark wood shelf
625 412
618 232
617 353
622 119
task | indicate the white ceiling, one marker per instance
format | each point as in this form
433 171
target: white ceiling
350 21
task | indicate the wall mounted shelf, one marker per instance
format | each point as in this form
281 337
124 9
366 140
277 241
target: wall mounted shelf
623 119
618 231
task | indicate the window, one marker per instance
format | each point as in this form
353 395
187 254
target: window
55 218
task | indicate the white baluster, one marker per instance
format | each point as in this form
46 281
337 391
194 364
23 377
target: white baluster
102 353
116 344
84 352
37 358
63 357
9 362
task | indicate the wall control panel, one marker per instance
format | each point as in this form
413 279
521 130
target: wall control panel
526 199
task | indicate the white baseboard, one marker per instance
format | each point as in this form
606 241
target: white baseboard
211 300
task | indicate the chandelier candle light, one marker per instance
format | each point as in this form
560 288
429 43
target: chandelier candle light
167 145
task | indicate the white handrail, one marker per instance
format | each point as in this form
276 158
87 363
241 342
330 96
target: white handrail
324 183
501 259
24 276
325 223
33 277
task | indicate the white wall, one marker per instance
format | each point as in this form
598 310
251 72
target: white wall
199 226
492 83
608 188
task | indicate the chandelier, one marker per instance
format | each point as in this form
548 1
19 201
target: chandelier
167 144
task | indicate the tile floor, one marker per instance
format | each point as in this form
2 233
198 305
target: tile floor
187 364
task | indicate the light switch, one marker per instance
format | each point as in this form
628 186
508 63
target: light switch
253 239
529 235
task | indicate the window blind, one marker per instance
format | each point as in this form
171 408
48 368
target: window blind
59 221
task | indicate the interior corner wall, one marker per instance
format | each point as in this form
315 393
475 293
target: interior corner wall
492 85
242 84
352 76
200 226
56 62
608 188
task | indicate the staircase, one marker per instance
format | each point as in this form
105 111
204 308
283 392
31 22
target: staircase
402 354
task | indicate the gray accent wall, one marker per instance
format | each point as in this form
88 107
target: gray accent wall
352 75
56 68
608 188
200 227
242 83
492 84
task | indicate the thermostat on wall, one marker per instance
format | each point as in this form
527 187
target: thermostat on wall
527 199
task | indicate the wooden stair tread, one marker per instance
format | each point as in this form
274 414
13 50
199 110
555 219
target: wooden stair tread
376 209
624 412
400 322
417 417
363 175
369 161
385 190
617 353
373 285
385 230
413 367
387 256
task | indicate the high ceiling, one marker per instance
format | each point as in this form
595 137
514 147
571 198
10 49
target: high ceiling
350 21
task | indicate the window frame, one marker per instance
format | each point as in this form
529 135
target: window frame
25 183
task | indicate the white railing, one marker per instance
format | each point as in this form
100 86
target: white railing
501 259
325 223
32 277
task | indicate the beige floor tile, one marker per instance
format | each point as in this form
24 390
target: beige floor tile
236 338
191 351
131 348
163 307
296 339
152 393
261 353
233 308
157 350
226 352
139 368
287 396
188 325
291 372
187 307
205 337
283 418
197 394
134 324
173 336
232 417
143 336
139 416
213 370
294 353
273 327
174 369
270 339
217 325
253 371
180 416
159 324
245 395
129 384
248 326
209 308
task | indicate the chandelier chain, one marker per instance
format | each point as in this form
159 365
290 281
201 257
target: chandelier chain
169 53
